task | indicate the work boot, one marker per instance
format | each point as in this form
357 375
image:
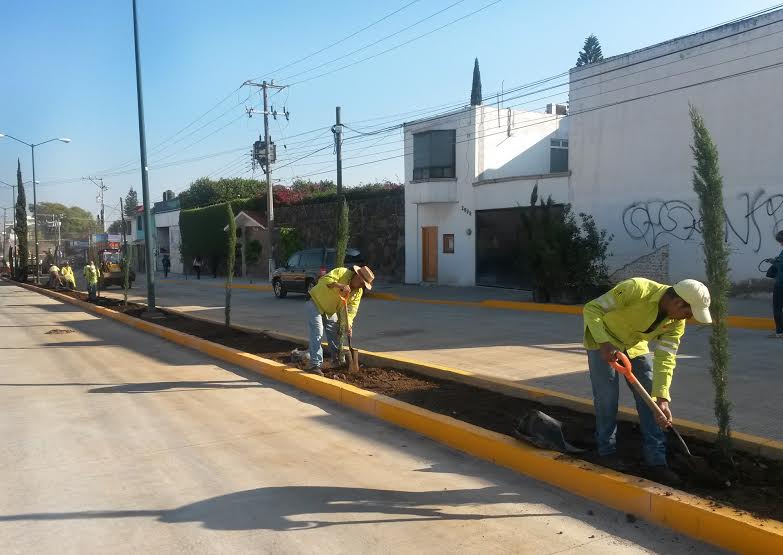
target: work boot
663 475
612 461
315 370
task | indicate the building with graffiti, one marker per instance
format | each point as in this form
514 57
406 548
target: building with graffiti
630 135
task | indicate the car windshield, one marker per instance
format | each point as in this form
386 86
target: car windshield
111 257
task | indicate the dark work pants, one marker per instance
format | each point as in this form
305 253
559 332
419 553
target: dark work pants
777 307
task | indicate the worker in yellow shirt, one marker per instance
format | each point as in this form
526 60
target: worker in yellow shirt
66 273
326 300
634 314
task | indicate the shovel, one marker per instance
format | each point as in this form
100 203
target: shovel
353 354
698 466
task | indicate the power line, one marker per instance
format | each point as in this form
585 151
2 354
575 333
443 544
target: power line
324 49
399 45
370 45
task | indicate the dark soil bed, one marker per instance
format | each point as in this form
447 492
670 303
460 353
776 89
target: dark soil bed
753 484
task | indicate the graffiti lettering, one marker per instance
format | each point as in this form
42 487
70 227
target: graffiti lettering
658 220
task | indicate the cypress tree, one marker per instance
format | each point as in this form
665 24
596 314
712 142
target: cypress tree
475 92
22 252
708 184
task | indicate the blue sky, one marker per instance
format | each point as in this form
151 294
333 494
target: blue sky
67 69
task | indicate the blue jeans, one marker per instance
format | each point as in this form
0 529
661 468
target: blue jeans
92 289
317 324
606 394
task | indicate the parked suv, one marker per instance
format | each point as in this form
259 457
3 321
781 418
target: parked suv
304 268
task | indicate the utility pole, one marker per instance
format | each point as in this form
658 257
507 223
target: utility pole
101 189
338 146
5 230
267 158
145 190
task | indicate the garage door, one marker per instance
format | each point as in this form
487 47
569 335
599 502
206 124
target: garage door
500 249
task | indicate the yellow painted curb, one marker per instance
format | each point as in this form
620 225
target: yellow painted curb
744 322
721 526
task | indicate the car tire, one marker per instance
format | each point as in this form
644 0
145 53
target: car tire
309 284
279 289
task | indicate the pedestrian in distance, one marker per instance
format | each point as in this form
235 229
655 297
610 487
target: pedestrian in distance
326 299
197 266
634 313
91 277
776 272
166 265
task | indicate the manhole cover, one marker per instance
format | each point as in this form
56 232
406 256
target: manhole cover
59 332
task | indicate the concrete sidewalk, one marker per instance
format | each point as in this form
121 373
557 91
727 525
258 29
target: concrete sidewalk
117 441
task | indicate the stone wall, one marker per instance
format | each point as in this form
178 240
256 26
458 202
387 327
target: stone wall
654 266
377 229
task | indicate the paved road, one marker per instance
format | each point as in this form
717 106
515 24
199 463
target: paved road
118 442
533 348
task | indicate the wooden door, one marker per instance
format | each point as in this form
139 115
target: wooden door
429 242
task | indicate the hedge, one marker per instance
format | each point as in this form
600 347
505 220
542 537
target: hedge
201 229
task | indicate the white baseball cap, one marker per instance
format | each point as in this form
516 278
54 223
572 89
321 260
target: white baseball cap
696 294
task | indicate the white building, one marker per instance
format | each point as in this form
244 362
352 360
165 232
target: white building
630 137
468 178
167 236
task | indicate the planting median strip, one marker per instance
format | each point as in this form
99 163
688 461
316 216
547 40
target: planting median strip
726 527
742 322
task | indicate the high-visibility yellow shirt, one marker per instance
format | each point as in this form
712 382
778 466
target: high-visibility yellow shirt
67 273
91 274
328 299
623 317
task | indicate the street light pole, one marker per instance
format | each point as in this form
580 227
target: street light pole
145 192
35 201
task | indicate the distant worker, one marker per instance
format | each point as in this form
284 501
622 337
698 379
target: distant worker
197 266
166 265
54 277
67 275
634 312
91 276
776 273
326 299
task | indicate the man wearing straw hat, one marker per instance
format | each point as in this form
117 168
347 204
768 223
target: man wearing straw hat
326 299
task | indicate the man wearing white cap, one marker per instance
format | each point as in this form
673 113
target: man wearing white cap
326 300
634 314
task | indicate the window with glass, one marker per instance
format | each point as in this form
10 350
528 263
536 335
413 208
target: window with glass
558 156
434 155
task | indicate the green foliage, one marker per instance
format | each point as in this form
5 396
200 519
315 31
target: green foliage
115 227
591 52
76 223
708 184
343 232
475 92
253 252
206 192
566 254
202 229
131 203
231 245
290 242
20 229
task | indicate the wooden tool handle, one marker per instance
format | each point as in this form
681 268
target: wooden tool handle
625 368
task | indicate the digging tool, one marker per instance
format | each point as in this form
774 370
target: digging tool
353 354
698 466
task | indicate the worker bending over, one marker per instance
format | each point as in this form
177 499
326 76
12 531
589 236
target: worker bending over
326 300
636 315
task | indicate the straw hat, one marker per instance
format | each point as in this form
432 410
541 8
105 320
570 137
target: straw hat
365 274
